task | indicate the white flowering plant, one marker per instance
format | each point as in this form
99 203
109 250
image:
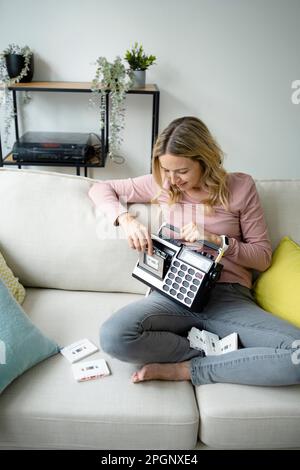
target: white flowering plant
113 78
6 81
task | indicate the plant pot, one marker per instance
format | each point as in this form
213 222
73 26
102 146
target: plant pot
139 78
15 63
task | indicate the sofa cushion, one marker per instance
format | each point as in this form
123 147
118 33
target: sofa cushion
280 201
11 282
56 239
47 408
243 417
23 345
277 289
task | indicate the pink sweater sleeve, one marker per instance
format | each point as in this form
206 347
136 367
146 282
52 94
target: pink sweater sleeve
112 196
254 250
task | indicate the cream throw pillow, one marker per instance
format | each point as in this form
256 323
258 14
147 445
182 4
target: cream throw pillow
11 282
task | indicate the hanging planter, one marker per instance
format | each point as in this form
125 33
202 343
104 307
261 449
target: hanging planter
18 64
15 64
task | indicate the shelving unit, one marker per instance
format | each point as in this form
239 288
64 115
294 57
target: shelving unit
78 87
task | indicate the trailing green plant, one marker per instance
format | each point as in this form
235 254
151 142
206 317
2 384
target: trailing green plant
25 52
137 59
6 81
113 78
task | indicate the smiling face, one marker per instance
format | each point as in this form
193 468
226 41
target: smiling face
184 173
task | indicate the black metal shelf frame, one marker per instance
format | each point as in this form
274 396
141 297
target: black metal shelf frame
150 90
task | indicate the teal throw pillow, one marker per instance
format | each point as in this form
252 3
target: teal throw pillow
22 344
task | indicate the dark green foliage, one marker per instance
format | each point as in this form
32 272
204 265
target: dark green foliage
137 58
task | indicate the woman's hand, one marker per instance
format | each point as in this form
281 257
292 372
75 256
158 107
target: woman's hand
137 234
193 232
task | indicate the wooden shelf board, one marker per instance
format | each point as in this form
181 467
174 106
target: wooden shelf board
73 86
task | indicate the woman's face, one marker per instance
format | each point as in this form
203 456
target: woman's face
180 171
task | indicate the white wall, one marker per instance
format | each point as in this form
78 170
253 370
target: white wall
229 62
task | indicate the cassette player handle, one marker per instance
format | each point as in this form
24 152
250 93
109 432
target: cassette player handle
213 246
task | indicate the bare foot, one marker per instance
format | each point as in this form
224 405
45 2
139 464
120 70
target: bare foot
173 371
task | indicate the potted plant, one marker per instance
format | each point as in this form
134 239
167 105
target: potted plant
139 62
19 63
113 78
16 65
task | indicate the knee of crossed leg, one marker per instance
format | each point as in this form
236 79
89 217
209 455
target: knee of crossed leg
113 340
108 337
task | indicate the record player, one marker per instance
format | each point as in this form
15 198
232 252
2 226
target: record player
48 147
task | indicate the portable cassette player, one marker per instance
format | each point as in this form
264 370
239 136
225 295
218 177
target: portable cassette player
178 272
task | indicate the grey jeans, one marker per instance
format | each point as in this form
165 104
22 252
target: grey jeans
155 328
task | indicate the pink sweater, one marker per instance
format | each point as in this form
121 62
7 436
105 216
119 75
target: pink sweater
244 224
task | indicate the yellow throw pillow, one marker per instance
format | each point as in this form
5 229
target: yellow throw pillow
277 290
11 282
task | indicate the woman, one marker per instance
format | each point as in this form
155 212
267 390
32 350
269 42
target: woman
187 170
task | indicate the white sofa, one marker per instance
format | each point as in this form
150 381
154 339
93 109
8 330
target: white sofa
50 236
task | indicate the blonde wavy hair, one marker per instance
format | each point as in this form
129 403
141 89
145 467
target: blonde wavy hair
189 137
